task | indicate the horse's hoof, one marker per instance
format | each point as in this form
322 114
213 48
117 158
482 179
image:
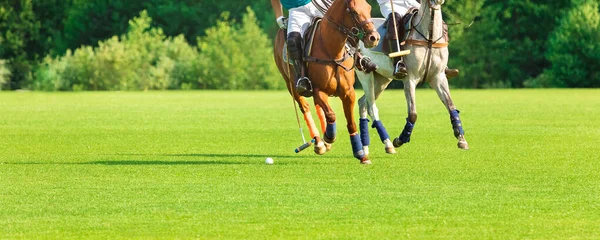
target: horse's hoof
366 162
328 139
462 143
397 143
328 146
390 150
320 148
389 147
366 150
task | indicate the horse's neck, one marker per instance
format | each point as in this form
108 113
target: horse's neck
424 20
330 37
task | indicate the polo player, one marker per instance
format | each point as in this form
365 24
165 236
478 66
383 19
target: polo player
401 7
301 13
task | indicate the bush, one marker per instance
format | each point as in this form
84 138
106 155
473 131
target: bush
573 49
4 73
232 57
141 59
236 56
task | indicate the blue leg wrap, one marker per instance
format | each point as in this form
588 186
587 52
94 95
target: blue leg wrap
357 148
406 132
330 132
383 135
364 131
456 123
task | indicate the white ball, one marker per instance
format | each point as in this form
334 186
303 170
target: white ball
269 160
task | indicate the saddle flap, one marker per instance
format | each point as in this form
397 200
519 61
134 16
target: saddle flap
309 36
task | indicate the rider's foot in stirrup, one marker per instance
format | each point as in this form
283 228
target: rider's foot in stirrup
303 87
368 65
400 70
451 73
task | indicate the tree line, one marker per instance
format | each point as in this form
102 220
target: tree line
222 44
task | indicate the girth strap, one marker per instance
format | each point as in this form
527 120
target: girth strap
426 44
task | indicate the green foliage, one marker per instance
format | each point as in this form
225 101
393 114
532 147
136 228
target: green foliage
141 59
234 56
460 14
144 58
4 73
18 30
573 49
506 44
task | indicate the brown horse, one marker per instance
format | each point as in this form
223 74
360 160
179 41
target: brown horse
331 71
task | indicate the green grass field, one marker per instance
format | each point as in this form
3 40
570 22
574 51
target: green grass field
117 165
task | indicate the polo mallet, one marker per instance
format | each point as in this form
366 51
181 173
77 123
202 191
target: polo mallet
399 53
305 144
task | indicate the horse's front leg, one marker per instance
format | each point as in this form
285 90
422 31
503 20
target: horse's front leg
380 84
348 101
409 93
373 85
322 100
440 84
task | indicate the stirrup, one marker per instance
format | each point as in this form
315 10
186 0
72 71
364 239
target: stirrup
400 71
367 65
304 90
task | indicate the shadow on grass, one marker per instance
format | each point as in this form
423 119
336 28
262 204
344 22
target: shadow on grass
197 159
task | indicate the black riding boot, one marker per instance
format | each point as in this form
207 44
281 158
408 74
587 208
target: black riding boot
364 63
294 47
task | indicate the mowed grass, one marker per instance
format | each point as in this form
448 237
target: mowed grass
115 165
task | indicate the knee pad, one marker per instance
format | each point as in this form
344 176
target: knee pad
294 45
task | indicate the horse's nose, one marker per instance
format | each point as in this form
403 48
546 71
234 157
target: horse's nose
372 39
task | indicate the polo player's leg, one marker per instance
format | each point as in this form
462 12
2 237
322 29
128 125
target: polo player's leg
395 35
440 84
348 100
294 48
409 93
364 63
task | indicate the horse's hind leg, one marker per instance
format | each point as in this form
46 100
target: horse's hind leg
440 84
409 93
305 109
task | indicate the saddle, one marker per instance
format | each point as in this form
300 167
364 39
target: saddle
308 39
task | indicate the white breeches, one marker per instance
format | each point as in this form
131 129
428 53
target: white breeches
400 6
301 17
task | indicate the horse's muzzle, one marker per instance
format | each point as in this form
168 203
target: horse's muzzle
371 39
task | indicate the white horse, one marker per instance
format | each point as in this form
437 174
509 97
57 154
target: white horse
426 62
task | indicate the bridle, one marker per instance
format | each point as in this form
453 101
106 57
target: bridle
357 31
429 42
432 15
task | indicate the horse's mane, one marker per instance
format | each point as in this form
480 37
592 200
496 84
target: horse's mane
323 5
